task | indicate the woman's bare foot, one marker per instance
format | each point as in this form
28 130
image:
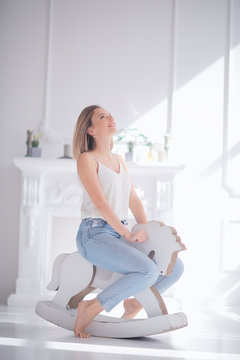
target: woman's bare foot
87 310
131 307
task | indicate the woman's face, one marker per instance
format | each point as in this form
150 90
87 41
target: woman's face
102 123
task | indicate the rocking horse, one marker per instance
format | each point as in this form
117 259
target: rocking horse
162 246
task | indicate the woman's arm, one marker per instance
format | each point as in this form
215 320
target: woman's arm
135 203
136 207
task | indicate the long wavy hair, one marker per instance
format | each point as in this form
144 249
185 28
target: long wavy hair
82 141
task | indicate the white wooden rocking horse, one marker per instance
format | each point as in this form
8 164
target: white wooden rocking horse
71 288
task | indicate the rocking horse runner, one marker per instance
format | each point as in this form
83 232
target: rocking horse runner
120 262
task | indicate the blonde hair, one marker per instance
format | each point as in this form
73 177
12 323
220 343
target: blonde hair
82 141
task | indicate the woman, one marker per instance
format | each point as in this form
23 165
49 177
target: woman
103 239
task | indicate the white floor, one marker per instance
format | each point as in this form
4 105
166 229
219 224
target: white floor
211 335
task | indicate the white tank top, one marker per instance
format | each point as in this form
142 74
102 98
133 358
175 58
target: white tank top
116 188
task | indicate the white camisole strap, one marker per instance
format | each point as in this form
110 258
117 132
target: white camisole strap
105 165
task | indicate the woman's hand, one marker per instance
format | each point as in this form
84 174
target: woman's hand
139 236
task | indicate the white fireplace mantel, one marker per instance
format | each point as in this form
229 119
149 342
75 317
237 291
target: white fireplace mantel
50 188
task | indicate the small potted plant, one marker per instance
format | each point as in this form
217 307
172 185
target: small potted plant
36 150
131 137
129 154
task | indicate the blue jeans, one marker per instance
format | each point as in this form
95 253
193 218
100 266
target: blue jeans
102 246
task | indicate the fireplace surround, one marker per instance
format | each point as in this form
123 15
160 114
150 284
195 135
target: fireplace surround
49 189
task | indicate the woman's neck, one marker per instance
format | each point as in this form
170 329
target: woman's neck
103 149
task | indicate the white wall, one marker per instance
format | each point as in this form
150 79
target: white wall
23 42
107 52
133 59
205 116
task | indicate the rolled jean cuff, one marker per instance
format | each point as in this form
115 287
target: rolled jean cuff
104 306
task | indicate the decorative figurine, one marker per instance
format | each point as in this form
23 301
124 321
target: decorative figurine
29 142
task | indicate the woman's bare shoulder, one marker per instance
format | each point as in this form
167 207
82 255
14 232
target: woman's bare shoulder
85 156
82 158
85 160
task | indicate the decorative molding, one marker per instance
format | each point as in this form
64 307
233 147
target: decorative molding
226 261
31 215
48 134
232 192
64 193
172 67
165 195
30 204
30 190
